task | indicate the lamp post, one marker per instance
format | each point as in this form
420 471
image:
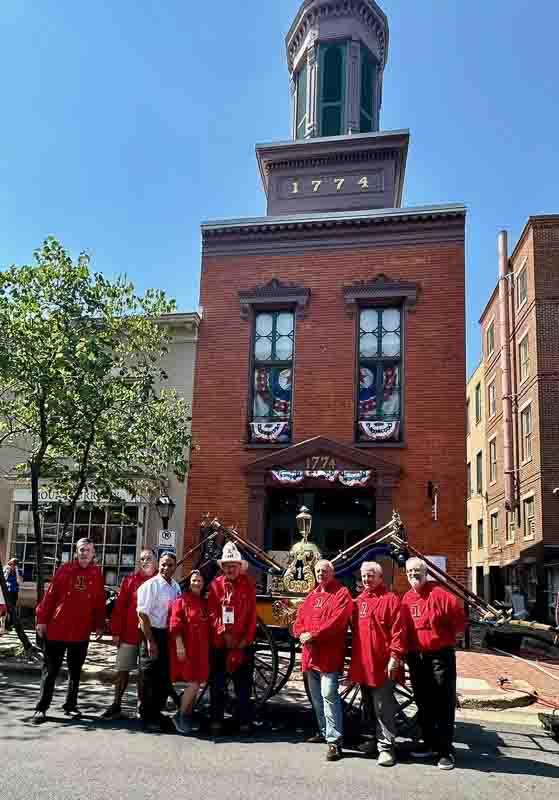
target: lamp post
165 506
304 522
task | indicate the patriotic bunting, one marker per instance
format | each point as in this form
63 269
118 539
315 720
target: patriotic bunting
269 431
349 478
380 431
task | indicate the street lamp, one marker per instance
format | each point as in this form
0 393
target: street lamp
165 506
304 522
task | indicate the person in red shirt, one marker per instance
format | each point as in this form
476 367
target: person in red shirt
321 627
73 607
189 631
434 617
377 650
232 614
126 632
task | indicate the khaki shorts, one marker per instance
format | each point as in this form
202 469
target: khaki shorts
127 657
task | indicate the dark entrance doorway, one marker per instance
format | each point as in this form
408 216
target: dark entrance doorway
340 517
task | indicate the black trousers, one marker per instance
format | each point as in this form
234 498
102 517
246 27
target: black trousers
155 676
12 599
53 653
433 678
242 683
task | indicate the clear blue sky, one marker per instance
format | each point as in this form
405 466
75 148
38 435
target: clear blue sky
127 122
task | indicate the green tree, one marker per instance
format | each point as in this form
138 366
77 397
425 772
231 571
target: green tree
82 397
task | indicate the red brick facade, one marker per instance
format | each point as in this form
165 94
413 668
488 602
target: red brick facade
521 550
428 251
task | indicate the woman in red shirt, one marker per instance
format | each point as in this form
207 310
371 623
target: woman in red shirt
190 644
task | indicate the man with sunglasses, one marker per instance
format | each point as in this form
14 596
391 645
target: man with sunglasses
126 632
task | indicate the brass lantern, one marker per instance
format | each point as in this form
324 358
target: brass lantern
304 522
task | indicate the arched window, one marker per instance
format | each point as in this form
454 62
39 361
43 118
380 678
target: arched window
332 88
301 103
368 91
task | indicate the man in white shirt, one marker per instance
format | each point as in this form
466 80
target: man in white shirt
155 597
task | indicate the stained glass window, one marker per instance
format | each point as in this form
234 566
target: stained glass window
380 352
332 88
274 336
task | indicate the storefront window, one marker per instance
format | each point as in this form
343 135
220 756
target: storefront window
115 530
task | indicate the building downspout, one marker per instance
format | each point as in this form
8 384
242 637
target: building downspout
506 386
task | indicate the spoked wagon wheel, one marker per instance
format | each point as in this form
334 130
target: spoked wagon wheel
287 650
265 660
406 714
266 663
359 719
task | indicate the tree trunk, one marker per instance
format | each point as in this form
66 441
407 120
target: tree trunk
23 638
37 530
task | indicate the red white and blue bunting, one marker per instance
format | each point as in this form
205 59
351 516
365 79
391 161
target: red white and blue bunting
380 431
350 478
268 431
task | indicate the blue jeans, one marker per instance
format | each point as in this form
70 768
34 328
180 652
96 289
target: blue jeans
327 703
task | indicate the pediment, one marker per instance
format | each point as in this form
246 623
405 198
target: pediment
321 453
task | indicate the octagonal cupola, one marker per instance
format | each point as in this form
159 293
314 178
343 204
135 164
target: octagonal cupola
336 54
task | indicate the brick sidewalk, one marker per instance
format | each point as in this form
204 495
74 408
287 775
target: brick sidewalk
490 666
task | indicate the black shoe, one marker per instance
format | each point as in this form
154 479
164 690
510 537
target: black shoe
38 718
114 711
71 711
446 761
334 752
369 748
316 739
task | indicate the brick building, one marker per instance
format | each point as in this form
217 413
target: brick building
522 544
331 360
476 483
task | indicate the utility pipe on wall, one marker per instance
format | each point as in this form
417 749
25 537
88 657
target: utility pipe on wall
506 385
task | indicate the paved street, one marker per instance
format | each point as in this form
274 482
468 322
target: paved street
101 761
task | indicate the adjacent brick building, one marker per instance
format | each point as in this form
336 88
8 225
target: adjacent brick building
522 543
331 355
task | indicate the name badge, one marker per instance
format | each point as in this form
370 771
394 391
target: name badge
228 615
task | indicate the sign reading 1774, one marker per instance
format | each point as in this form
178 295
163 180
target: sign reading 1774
317 185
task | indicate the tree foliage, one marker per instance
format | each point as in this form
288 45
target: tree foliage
82 383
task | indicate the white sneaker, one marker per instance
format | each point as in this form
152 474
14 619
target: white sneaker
386 758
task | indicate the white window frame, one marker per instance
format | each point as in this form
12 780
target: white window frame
490 327
479 488
529 530
524 458
478 393
492 385
522 272
492 441
525 338
511 524
482 545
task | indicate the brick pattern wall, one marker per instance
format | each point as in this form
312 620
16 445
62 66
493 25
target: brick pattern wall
324 381
546 253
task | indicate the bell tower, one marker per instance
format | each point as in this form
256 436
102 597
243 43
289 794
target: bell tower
336 54
337 160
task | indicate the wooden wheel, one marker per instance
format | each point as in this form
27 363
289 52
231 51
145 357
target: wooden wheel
265 660
358 718
287 652
266 663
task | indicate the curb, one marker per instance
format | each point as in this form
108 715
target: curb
496 702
